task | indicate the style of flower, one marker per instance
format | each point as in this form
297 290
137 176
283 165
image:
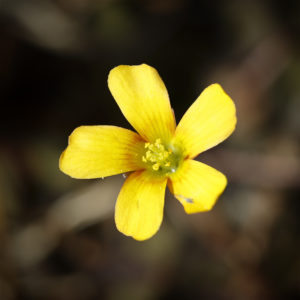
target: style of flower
160 154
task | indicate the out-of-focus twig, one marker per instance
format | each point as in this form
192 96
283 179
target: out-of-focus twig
86 206
259 170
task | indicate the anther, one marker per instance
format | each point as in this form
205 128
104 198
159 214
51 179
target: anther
156 166
157 155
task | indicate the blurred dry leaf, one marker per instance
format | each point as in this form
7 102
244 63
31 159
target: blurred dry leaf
80 208
44 23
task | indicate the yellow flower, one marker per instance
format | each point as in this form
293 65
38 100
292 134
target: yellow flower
160 154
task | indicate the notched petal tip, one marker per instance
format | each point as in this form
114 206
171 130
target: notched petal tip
139 208
100 151
197 186
118 70
138 238
217 87
208 121
143 99
60 162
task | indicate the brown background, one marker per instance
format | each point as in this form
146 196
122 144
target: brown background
57 235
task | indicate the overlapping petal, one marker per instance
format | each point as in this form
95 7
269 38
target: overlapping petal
144 101
99 151
209 121
140 204
197 186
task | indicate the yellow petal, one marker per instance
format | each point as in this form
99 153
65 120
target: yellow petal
99 151
140 205
144 101
208 122
197 186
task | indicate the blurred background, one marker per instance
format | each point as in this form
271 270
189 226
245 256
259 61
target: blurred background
57 234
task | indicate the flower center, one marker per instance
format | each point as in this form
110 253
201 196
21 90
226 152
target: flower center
161 158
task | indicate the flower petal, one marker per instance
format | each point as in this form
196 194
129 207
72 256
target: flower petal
197 186
144 101
99 151
208 122
140 205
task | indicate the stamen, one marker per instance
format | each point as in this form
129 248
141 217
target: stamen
166 154
148 155
158 143
156 166
158 156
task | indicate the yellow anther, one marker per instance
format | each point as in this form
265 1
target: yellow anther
158 143
156 166
157 156
148 155
151 147
166 154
